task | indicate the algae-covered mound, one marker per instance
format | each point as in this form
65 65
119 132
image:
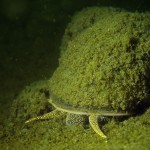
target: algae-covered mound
105 60
31 101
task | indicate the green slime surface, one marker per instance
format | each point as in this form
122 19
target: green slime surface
130 134
104 60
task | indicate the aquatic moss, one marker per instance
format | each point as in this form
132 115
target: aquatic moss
54 134
83 20
106 63
31 102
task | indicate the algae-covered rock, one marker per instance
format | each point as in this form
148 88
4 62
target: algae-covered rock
52 134
31 101
108 57
105 60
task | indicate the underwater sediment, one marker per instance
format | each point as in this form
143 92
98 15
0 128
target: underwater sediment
104 54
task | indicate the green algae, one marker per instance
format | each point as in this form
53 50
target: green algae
134 132
54 134
105 62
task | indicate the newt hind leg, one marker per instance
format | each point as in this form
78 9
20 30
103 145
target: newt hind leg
55 113
93 119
